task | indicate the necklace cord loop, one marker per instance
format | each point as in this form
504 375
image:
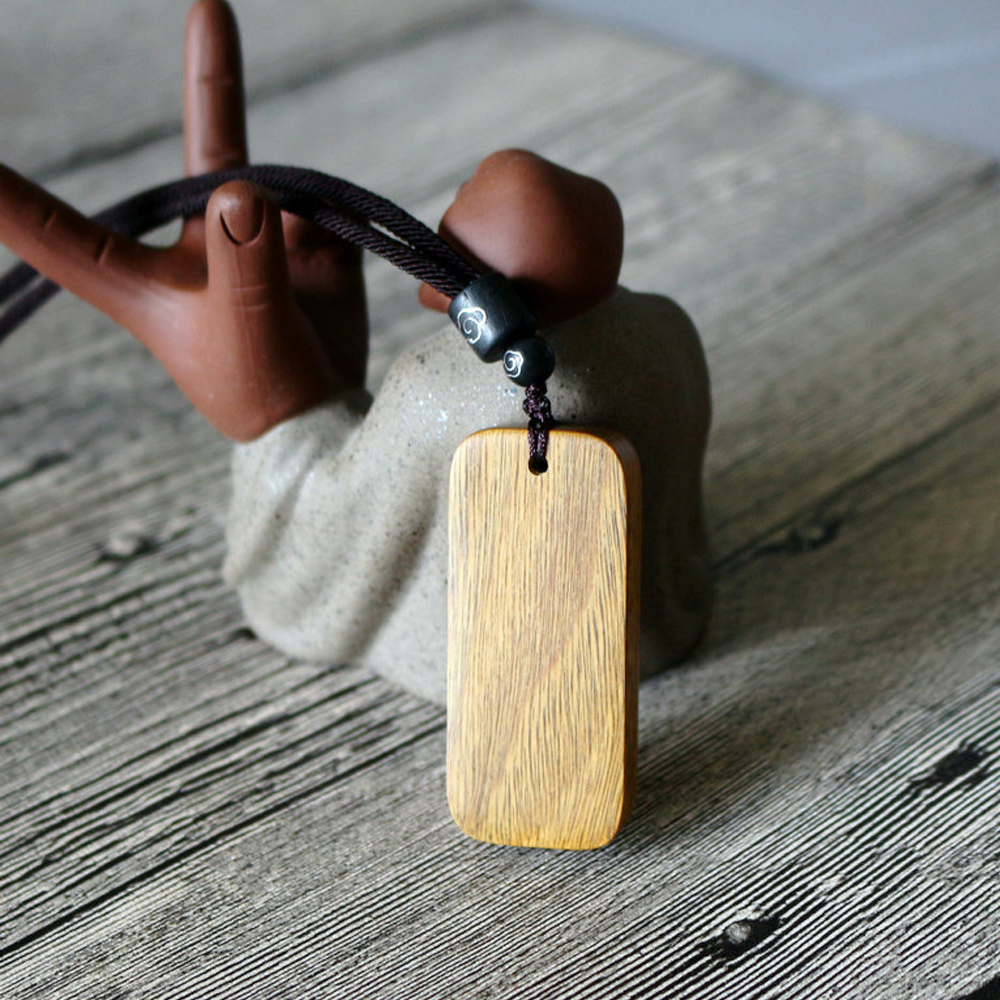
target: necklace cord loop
485 307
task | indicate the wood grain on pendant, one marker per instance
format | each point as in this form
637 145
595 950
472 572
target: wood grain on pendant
543 615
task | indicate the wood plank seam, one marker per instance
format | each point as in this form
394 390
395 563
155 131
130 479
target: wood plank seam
301 78
734 561
956 198
9 949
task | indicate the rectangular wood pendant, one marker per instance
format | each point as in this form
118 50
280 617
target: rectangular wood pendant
543 617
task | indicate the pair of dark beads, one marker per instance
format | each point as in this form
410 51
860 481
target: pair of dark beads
497 325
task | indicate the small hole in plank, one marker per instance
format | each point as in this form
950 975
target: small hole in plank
536 465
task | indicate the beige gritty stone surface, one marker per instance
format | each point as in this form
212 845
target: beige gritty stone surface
337 533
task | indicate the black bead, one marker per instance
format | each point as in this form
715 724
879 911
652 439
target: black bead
490 316
529 361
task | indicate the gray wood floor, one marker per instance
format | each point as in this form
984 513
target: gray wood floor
186 813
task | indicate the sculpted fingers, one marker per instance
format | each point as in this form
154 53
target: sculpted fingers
247 266
214 112
328 283
110 271
266 358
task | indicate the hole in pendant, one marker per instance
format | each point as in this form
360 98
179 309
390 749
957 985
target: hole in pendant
537 465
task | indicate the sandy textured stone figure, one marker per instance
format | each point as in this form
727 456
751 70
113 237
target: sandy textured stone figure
337 532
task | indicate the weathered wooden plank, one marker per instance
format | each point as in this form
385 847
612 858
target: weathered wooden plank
698 152
795 792
862 358
589 96
186 809
128 380
108 399
99 77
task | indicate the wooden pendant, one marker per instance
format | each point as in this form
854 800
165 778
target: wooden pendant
543 615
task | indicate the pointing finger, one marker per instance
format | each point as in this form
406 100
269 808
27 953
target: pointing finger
214 112
108 270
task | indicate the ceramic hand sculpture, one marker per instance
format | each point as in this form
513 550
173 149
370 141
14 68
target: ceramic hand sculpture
338 526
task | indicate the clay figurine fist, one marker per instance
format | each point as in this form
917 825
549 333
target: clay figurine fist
337 531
